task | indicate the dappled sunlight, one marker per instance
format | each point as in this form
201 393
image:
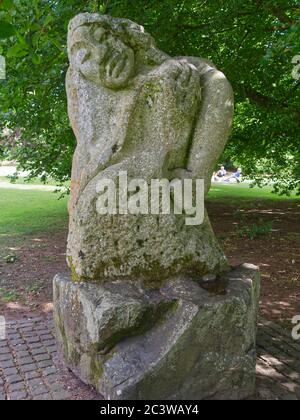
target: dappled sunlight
276 253
16 306
47 307
272 212
26 284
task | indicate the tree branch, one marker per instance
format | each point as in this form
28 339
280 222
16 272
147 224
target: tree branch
280 14
268 102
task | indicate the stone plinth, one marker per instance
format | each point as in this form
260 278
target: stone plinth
186 340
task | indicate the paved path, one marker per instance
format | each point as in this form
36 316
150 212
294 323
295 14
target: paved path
10 171
278 365
30 367
11 186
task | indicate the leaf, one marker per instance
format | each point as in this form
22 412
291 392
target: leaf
36 59
48 20
10 259
16 51
57 43
6 4
6 30
35 27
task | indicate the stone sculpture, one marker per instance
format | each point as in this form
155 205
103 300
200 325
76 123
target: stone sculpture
152 309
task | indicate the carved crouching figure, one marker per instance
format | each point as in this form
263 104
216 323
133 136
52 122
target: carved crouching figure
135 109
138 317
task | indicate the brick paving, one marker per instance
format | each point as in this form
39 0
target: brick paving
278 364
31 369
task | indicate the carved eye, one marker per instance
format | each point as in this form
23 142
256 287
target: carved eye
80 34
100 34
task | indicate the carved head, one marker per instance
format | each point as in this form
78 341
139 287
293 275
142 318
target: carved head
109 51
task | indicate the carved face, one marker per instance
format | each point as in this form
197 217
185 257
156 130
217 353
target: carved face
102 57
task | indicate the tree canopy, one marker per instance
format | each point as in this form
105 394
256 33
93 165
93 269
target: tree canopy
252 41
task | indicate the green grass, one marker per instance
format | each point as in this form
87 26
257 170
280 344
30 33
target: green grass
31 211
234 192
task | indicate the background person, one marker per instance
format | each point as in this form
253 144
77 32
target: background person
220 174
237 176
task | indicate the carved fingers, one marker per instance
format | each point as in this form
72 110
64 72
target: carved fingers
187 86
118 69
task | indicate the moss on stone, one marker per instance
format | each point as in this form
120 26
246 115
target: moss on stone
74 275
96 368
74 357
62 337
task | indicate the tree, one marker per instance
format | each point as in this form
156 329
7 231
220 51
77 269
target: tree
253 42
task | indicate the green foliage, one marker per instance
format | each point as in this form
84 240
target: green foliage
8 295
253 42
6 30
10 259
252 231
256 230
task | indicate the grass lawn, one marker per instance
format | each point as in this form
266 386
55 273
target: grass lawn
31 211
234 192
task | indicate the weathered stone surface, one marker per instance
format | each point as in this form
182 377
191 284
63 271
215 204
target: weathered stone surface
135 109
178 342
151 309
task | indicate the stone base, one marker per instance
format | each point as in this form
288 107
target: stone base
183 341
